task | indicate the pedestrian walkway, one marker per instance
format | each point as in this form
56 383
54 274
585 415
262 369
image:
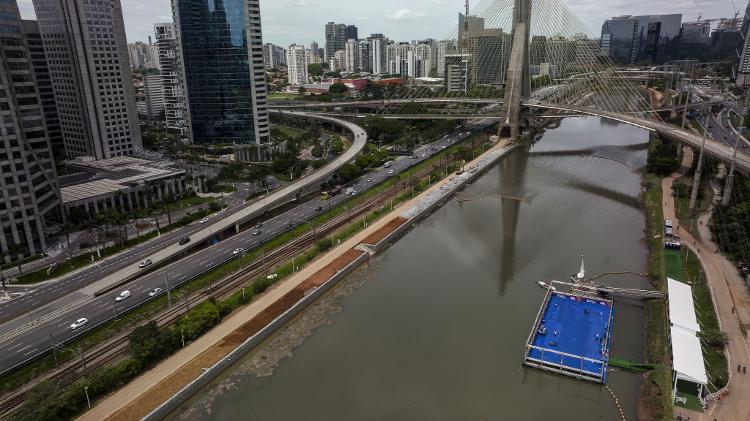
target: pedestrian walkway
732 304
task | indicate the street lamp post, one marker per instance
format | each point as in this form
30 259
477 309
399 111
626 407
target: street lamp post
88 401
169 293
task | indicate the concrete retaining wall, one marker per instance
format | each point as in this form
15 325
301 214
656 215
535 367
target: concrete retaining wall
212 373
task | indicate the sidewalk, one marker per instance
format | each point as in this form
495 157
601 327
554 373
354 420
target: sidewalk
729 292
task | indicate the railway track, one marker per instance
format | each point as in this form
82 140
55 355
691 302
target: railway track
117 347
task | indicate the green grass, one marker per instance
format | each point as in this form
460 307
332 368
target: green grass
289 132
284 95
657 391
153 307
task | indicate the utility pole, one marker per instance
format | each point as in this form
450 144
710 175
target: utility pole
699 169
730 178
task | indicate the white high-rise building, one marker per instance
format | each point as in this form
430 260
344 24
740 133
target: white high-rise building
90 68
296 62
377 46
175 108
397 58
351 55
143 56
153 92
443 48
422 61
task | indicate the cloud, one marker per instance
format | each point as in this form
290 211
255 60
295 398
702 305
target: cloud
403 14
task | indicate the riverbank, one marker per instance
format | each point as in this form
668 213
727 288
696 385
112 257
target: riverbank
146 392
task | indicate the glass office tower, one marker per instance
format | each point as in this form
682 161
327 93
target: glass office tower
222 54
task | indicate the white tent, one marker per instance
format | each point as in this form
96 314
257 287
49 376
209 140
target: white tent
681 308
687 356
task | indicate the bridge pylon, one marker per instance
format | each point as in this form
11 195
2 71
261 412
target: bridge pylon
518 85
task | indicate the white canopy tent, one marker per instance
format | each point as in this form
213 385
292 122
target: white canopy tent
681 308
687 353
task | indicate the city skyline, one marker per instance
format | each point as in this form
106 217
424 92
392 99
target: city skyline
397 19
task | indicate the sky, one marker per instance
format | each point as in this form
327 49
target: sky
302 21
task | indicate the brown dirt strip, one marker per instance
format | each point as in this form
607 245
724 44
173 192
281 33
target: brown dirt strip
383 232
165 389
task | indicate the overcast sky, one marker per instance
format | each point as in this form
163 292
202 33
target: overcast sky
302 21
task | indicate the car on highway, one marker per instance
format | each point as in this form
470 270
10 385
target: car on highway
123 296
238 250
414 157
319 209
259 225
390 171
184 240
78 323
256 232
204 220
154 292
145 263
369 180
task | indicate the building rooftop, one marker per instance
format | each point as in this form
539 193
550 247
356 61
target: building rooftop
100 177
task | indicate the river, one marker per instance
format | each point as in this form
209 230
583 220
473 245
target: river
434 327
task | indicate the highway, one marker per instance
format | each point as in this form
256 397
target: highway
78 286
32 339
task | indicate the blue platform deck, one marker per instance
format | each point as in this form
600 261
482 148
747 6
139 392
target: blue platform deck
572 336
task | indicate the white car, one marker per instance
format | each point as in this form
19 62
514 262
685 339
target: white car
256 232
145 263
204 220
390 171
78 323
154 292
238 250
369 180
123 296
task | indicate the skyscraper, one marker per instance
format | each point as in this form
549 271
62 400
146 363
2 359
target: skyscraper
222 55
619 40
376 48
175 108
28 182
296 64
351 55
336 37
44 84
88 60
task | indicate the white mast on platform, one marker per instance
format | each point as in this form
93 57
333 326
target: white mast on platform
582 272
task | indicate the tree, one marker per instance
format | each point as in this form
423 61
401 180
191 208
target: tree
315 69
66 229
338 88
301 90
18 251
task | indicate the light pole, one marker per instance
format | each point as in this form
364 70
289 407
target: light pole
169 293
88 401
54 351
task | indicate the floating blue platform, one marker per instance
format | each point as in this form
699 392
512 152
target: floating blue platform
571 336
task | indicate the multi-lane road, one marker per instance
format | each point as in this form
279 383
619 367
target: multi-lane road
82 284
28 338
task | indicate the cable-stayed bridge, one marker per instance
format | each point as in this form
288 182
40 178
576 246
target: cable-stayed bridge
517 62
